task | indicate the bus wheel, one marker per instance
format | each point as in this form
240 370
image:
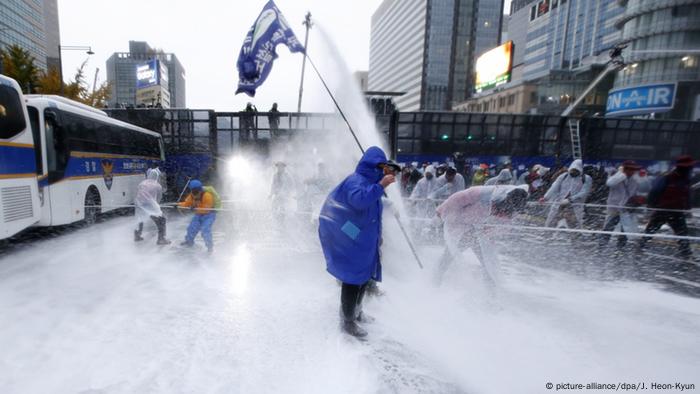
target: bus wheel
92 206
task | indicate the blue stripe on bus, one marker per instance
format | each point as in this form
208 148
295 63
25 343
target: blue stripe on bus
17 160
92 166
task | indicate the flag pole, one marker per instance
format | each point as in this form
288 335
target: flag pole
359 145
308 24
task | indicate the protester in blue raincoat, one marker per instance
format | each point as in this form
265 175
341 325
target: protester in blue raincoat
350 228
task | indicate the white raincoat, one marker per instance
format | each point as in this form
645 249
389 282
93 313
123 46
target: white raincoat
465 216
425 186
505 177
148 196
444 189
421 193
622 188
282 190
573 189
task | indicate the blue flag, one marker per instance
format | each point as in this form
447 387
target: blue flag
258 51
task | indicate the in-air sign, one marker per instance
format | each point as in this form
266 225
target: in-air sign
642 99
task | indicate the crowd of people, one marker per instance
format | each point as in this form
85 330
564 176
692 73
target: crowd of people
573 195
463 204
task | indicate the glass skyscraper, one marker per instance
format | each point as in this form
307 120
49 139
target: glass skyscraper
569 34
33 25
426 49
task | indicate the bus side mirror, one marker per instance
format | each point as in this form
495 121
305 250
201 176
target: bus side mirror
51 116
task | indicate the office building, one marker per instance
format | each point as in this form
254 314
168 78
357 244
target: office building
425 49
52 33
122 74
662 40
33 25
559 47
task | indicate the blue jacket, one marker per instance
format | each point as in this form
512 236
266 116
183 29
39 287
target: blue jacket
350 224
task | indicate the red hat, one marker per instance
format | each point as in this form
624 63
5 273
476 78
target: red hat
685 161
631 164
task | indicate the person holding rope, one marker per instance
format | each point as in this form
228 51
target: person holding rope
670 196
623 188
147 206
350 231
203 201
465 214
568 191
420 194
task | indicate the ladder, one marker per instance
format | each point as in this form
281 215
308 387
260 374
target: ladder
575 139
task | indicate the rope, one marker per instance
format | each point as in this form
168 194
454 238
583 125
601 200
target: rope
536 203
582 231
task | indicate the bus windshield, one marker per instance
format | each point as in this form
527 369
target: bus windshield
12 121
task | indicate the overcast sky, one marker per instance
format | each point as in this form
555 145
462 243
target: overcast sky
206 35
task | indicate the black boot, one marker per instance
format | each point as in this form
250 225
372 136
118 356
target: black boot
365 318
160 224
137 233
350 305
352 328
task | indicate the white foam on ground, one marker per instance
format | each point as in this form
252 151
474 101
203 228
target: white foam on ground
90 311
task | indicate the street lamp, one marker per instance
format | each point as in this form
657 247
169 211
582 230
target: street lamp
87 49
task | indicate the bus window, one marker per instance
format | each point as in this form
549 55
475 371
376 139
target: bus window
36 133
12 120
161 147
56 148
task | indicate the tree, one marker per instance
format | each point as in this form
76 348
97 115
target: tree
18 64
78 89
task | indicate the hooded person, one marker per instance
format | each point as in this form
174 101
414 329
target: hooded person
426 185
505 177
449 183
422 191
147 202
622 187
350 231
670 195
465 215
202 202
282 189
566 194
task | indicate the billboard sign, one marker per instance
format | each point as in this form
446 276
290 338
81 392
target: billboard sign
641 99
493 68
147 74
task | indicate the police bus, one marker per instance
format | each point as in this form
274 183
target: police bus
62 162
19 196
89 163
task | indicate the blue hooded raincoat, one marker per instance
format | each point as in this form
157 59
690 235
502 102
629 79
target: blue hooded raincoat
350 224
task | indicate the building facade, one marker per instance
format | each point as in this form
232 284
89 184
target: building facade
122 71
425 49
569 34
560 46
397 50
33 25
663 39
